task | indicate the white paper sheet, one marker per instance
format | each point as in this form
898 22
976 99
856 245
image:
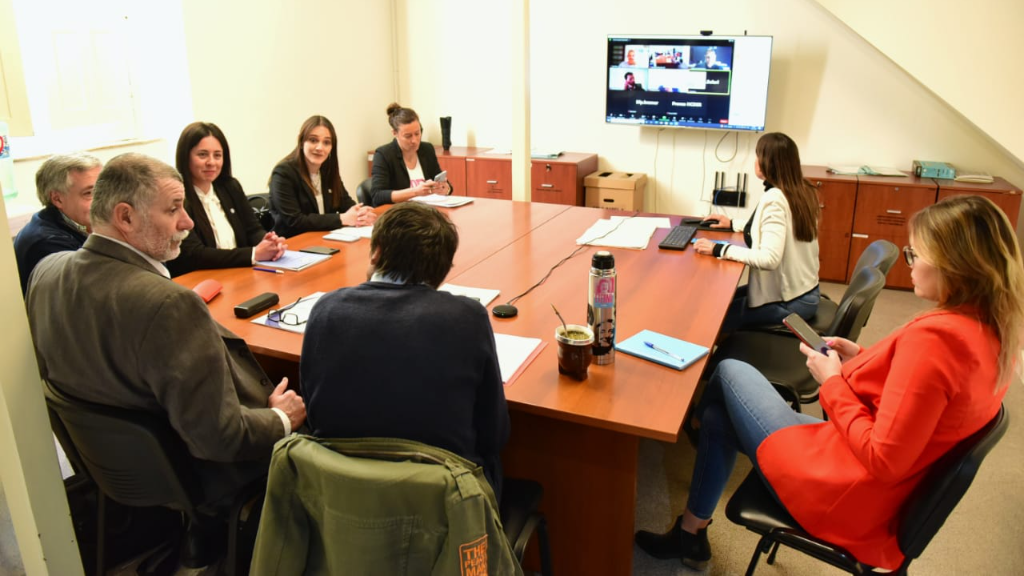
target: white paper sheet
301 310
482 295
622 232
513 352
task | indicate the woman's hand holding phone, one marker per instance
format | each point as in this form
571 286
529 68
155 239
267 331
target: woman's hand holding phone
822 367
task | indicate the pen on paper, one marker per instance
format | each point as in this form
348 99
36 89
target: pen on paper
271 270
656 348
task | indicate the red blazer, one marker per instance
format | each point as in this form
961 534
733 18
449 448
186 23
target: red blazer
897 407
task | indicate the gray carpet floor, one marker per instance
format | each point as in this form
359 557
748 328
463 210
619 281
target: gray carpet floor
983 535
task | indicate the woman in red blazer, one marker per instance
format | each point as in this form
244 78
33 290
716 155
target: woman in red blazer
893 408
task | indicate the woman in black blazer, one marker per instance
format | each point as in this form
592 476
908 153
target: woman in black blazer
405 168
306 192
226 232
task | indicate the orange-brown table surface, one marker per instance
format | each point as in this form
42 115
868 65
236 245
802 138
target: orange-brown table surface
579 439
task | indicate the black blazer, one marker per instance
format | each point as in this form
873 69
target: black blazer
390 173
199 250
293 204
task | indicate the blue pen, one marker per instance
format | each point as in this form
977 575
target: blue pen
652 346
271 270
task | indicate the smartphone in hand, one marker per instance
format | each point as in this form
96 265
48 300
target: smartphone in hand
805 333
442 177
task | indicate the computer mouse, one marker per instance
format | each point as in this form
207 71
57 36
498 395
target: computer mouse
709 222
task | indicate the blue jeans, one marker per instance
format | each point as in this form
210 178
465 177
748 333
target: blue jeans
740 408
740 316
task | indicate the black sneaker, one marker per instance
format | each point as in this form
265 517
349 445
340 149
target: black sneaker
693 550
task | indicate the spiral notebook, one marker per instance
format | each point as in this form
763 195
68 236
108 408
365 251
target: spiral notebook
664 350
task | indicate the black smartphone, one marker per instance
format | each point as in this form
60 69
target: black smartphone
319 250
805 333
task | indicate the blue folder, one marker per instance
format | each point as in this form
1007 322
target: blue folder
636 346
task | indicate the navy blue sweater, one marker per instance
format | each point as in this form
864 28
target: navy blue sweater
409 362
45 234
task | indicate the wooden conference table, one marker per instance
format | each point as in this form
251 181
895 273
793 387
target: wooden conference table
579 439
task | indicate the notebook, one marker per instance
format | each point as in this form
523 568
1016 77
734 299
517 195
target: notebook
294 260
674 353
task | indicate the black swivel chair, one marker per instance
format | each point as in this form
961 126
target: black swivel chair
260 204
363 192
880 254
754 508
137 459
778 356
521 517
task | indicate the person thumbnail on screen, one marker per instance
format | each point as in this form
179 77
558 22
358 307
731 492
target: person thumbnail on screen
712 58
673 57
630 83
635 56
619 79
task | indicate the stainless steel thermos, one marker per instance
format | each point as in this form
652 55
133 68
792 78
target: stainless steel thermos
601 306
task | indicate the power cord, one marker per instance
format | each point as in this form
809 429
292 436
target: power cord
735 148
508 310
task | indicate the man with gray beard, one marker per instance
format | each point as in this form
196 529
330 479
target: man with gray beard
110 327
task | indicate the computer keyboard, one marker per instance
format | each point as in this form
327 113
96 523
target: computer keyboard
679 237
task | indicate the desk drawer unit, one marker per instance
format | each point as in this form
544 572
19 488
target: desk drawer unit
553 183
486 178
885 209
836 197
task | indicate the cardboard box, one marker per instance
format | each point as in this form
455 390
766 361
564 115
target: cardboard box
618 190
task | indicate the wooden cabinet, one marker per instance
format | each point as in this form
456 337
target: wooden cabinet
560 180
454 161
489 178
472 172
857 210
1005 195
837 195
556 181
884 206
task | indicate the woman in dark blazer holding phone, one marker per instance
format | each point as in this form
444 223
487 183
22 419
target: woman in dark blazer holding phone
226 232
306 192
405 167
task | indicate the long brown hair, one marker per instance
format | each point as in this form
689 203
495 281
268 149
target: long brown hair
972 245
188 140
780 163
330 173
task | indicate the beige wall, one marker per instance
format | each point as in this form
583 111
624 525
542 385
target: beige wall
968 54
258 70
840 98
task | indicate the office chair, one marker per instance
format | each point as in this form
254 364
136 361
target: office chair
880 254
137 459
363 192
754 508
521 516
778 356
260 204
436 503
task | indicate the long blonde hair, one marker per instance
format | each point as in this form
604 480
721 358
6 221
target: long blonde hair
972 245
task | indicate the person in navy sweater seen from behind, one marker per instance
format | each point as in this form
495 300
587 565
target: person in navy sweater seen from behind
418 363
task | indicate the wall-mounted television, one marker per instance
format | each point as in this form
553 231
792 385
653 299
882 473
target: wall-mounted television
716 82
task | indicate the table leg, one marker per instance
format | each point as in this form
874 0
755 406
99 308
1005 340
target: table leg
589 477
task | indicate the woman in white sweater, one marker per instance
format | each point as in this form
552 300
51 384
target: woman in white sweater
782 236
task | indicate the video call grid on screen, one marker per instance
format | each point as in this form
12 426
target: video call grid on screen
689 81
